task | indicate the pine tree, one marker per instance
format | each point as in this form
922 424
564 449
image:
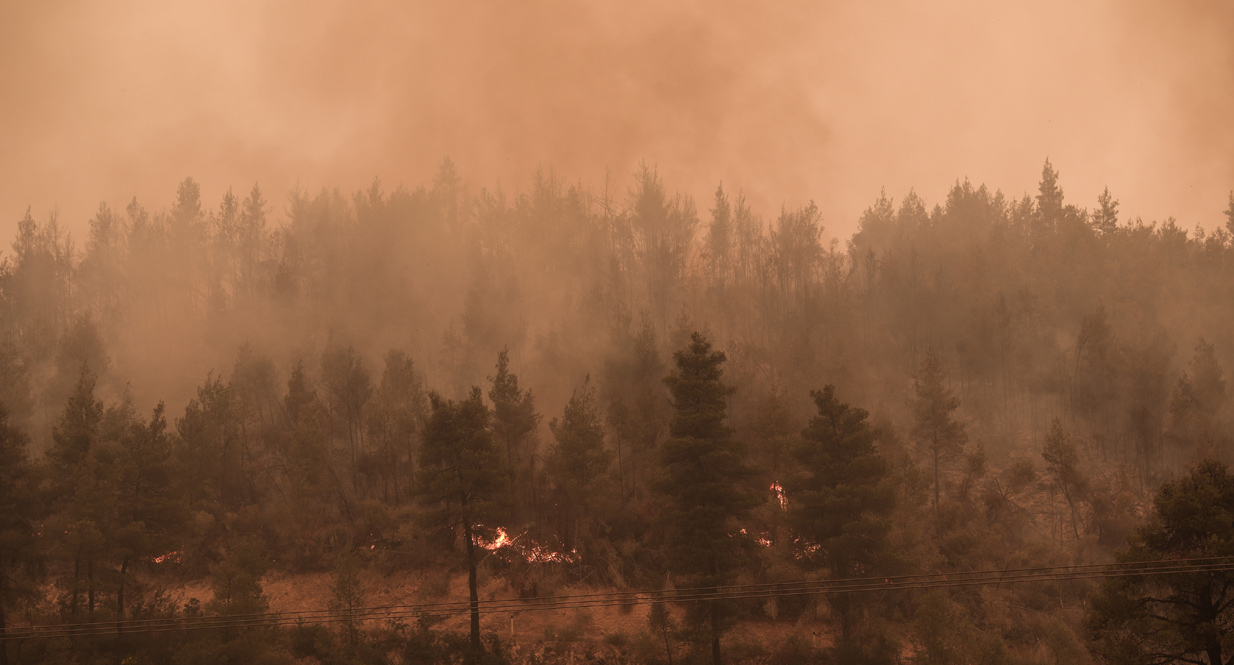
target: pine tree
1229 215
1049 196
237 579
78 495
299 393
704 485
634 401
1105 218
347 598
1207 380
719 241
773 432
514 427
20 553
150 507
938 434
210 437
349 387
1196 404
1181 617
251 236
463 479
839 503
578 459
394 418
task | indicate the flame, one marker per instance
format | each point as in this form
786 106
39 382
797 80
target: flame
170 557
497 543
806 549
531 553
779 491
538 554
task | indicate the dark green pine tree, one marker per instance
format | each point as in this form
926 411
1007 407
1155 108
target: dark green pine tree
515 422
150 511
577 462
210 444
20 554
705 486
1178 617
463 479
78 490
839 503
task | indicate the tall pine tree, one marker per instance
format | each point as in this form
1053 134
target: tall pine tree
463 479
577 462
515 422
19 543
839 503
705 486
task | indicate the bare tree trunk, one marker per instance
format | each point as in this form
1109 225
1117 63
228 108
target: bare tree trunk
124 567
473 594
76 589
90 587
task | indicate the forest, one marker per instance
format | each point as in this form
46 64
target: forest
580 424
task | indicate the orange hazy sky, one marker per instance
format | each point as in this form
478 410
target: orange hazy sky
788 101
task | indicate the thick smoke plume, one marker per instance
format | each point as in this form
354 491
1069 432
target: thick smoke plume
788 102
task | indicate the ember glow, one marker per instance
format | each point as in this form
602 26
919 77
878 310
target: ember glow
170 557
500 540
805 549
779 492
537 554
520 547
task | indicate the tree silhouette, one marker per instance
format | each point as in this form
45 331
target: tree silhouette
463 479
20 551
1176 617
704 485
840 503
938 434
577 460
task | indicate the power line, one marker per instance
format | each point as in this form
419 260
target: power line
581 601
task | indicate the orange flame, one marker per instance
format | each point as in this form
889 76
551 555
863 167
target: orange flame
500 541
779 490
531 553
170 557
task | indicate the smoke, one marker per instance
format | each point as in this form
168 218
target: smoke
788 101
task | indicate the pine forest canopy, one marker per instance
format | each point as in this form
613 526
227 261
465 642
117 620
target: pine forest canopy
983 383
1009 292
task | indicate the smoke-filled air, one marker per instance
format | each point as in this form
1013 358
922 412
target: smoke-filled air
564 332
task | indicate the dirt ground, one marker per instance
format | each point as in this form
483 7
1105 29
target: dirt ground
583 635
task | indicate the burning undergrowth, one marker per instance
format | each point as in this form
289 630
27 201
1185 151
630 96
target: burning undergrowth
527 548
535 566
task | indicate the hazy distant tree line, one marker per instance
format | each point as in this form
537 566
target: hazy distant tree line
644 390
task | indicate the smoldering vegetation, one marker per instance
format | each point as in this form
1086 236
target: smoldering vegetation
225 387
